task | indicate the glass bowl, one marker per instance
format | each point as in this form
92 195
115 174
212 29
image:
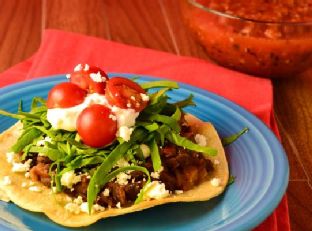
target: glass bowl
258 47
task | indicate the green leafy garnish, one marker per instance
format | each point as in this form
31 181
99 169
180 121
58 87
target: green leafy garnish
231 180
228 140
186 143
155 156
159 84
27 137
186 102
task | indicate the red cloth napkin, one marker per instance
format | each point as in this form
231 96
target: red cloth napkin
61 51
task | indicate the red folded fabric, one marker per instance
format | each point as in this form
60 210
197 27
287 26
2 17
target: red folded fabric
61 51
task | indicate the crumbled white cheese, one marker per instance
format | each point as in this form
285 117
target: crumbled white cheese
145 150
86 67
128 105
178 192
97 77
24 184
78 67
69 178
21 167
10 156
215 182
27 174
125 117
78 200
122 163
72 207
113 117
122 178
35 189
125 133
118 205
132 97
84 207
155 190
42 141
106 192
144 97
200 140
156 174
6 180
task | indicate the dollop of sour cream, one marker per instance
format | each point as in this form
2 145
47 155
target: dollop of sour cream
65 118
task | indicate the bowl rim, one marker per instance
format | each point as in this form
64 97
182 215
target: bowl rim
231 16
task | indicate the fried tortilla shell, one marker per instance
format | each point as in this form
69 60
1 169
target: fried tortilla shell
52 205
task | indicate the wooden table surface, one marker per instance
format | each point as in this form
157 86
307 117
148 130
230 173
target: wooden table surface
157 24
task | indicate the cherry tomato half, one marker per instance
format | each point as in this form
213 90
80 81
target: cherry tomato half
65 95
96 126
90 78
125 93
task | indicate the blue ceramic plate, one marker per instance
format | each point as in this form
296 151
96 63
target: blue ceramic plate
257 160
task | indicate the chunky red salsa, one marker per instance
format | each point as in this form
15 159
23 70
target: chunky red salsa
264 10
259 43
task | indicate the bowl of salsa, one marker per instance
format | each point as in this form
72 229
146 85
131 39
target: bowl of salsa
269 38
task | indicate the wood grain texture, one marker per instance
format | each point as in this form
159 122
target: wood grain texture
158 24
20 30
293 107
80 16
300 204
139 23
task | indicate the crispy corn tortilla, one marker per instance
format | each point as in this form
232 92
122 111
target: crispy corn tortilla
52 205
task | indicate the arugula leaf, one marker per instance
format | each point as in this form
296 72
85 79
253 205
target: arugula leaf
148 126
231 180
228 140
138 152
186 102
26 138
28 115
155 156
159 84
158 101
177 114
184 142
53 154
162 132
12 115
171 122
